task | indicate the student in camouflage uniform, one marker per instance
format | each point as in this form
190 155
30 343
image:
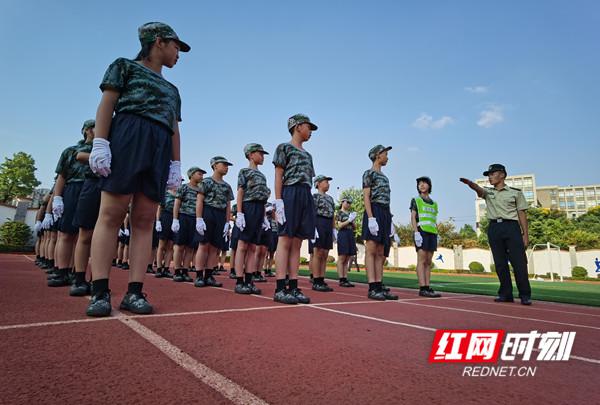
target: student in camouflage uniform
164 220
233 242
184 224
50 227
262 249
294 206
140 160
508 233
39 228
71 175
377 226
213 210
325 235
346 242
86 215
273 237
123 238
252 195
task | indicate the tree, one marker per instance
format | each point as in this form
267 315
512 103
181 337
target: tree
17 177
467 232
358 206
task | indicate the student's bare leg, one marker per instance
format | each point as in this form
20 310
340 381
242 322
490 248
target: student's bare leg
427 269
64 249
178 256
284 245
293 259
379 261
421 267
370 254
82 249
160 252
240 258
143 212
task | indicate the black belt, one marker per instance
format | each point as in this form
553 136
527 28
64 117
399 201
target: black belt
500 220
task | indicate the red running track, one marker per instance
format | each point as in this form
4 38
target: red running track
214 346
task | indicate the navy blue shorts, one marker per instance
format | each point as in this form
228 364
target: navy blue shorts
54 226
273 241
384 219
70 199
166 220
124 240
254 214
88 206
265 237
325 229
235 237
346 242
187 231
429 241
141 154
300 212
154 237
215 219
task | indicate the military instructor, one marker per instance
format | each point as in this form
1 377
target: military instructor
508 232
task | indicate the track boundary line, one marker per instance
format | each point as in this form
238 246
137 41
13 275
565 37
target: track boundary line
533 308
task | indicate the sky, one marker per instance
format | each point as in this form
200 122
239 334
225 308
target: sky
452 86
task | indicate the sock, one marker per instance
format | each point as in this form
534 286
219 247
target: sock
320 280
119 261
100 286
293 284
256 274
372 286
51 263
232 270
64 272
247 278
239 280
177 272
378 286
207 273
423 287
343 279
135 288
79 277
280 285
150 266
200 274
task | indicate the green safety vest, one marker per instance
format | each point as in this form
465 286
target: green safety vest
427 215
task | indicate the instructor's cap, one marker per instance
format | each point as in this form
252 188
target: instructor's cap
87 124
152 30
219 159
321 178
193 170
495 167
300 119
376 150
254 147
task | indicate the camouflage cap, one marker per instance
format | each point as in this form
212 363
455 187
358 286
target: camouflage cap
254 147
349 200
87 124
376 150
300 119
193 170
219 159
152 30
320 178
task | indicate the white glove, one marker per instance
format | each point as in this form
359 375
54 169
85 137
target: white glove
37 227
266 225
121 233
418 239
175 225
200 226
174 179
240 221
48 221
226 231
352 216
58 207
316 236
100 157
392 230
335 232
373 226
126 232
280 211
396 238
158 226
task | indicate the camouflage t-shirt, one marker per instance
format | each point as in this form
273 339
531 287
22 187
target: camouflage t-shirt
168 201
143 92
254 184
216 194
297 164
68 166
324 205
342 216
188 195
379 185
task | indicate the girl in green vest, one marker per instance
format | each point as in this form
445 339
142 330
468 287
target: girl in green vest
424 223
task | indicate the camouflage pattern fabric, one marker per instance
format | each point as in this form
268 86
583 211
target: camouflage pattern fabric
216 194
379 185
297 164
188 195
254 184
324 205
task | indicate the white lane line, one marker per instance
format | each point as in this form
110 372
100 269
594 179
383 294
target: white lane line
54 323
499 315
218 382
533 308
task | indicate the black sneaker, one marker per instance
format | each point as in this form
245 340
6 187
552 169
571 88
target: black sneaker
434 294
259 278
199 282
384 288
136 303
321 287
376 295
284 297
125 266
186 277
114 263
389 296
232 275
255 290
504 299
80 290
269 273
302 299
167 273
99 305
346 284
242 289
177 277
211 282
150 269
159 273
61 280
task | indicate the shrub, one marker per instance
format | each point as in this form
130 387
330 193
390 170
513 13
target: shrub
15 234
476 267
493 267
579 272
303 260
330 259
412 266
